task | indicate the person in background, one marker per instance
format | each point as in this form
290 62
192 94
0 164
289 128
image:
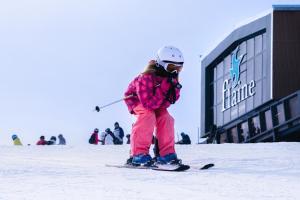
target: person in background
52 140
118 133
16 140
102 138
94 139
108 137
185 139
42 141
128 139
62 140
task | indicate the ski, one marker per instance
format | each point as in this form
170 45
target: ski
207 166
130 166
171 168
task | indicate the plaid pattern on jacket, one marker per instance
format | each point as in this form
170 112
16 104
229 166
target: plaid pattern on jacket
149 90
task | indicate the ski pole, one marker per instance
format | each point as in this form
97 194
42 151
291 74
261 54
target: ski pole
97 108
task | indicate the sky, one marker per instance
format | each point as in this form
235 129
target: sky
61 58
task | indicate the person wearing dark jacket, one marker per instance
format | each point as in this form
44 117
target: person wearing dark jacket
52 141
42 141
128 139
94 139
62 140
111 136
185 139
119 134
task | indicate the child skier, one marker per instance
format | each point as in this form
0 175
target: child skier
151 93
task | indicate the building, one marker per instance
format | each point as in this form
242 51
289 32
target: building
251 81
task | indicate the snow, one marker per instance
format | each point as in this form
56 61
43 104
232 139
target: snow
242 171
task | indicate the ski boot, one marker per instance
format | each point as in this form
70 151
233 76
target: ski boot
140 160
170 159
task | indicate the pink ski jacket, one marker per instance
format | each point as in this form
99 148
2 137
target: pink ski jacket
149 90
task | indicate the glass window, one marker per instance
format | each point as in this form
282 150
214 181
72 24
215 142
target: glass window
280 113
250 70
243 50
243 66
258 67
258 94
264 65
227 64
243 77
293 107
242 107
258 44
250 48
234 112
268 117
249 104
220 70
264 41
223 138
234 135
219 90
219 115
226 116
255 128
227 76
266 90
226 102
244 131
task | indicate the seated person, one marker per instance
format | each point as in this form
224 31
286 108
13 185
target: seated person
42 141
52 141
16 140
62 140
185 139
107 137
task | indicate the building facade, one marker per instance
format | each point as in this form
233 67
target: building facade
250 81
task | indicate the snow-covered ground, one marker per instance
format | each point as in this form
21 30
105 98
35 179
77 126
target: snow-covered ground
243 171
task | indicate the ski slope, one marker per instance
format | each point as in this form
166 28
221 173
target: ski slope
243 171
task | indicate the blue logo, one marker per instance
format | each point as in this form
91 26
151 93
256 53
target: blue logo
235 67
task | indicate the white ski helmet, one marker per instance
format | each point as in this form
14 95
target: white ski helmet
169 55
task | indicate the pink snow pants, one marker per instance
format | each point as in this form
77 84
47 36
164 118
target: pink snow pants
143 128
